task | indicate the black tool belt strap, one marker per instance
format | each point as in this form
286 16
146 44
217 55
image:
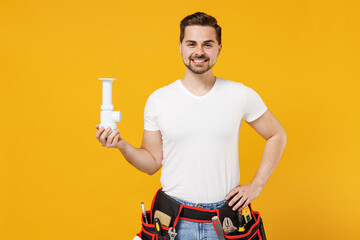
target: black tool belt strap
174 209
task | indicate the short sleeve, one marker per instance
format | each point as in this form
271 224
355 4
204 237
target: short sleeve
254 105
151 114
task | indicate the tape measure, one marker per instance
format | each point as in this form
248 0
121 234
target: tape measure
244 217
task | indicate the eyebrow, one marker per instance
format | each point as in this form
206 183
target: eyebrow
207 41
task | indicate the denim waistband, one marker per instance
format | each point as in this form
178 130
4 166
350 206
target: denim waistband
211 206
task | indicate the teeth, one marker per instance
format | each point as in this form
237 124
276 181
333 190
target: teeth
199 60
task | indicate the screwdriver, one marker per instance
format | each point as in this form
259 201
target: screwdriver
157 227
144 212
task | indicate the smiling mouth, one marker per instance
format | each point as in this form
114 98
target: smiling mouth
199 60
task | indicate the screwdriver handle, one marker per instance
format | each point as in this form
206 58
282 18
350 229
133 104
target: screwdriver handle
157 226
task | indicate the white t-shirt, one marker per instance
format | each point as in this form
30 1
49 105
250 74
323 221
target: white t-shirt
200 136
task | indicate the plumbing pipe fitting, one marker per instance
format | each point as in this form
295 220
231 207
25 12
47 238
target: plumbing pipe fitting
108 117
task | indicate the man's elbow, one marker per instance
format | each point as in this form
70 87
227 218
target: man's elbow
283 135
283 138
280 137
153 170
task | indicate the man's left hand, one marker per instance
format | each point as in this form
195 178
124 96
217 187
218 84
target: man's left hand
246 193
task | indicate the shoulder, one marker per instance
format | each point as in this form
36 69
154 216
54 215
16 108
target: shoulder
237 85
166 90
229 83
237 89
231 88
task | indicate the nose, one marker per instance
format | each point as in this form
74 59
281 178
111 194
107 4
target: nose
199 51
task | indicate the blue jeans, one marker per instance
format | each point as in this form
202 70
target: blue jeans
187 230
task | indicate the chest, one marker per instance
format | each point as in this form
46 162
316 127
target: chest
211 118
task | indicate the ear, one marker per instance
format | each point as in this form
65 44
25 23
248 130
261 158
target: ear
180 47
220 47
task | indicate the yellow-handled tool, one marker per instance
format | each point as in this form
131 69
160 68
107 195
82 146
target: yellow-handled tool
244 217
157 227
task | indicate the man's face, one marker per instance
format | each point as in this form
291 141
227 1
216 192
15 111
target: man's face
199 48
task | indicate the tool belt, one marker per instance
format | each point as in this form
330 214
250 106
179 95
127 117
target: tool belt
254 229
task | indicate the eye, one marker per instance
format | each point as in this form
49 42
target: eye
190 44
208 45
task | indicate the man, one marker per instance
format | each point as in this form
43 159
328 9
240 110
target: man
192 130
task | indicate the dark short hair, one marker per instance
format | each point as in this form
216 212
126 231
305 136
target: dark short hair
200 19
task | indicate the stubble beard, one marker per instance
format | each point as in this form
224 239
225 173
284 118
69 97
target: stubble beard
199 70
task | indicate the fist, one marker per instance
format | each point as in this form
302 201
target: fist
111 141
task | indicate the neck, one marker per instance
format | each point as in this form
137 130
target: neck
198 82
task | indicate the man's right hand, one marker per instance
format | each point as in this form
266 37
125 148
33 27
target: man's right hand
147 158
112 141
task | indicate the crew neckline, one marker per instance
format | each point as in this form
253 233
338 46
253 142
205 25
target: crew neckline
210 92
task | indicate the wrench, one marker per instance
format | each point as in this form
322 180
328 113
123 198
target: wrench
172 233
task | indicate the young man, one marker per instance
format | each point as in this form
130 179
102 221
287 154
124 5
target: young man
192 130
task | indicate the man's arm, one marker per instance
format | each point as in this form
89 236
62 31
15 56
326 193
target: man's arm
147 158
272 131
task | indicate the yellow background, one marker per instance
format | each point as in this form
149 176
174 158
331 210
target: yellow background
58 182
